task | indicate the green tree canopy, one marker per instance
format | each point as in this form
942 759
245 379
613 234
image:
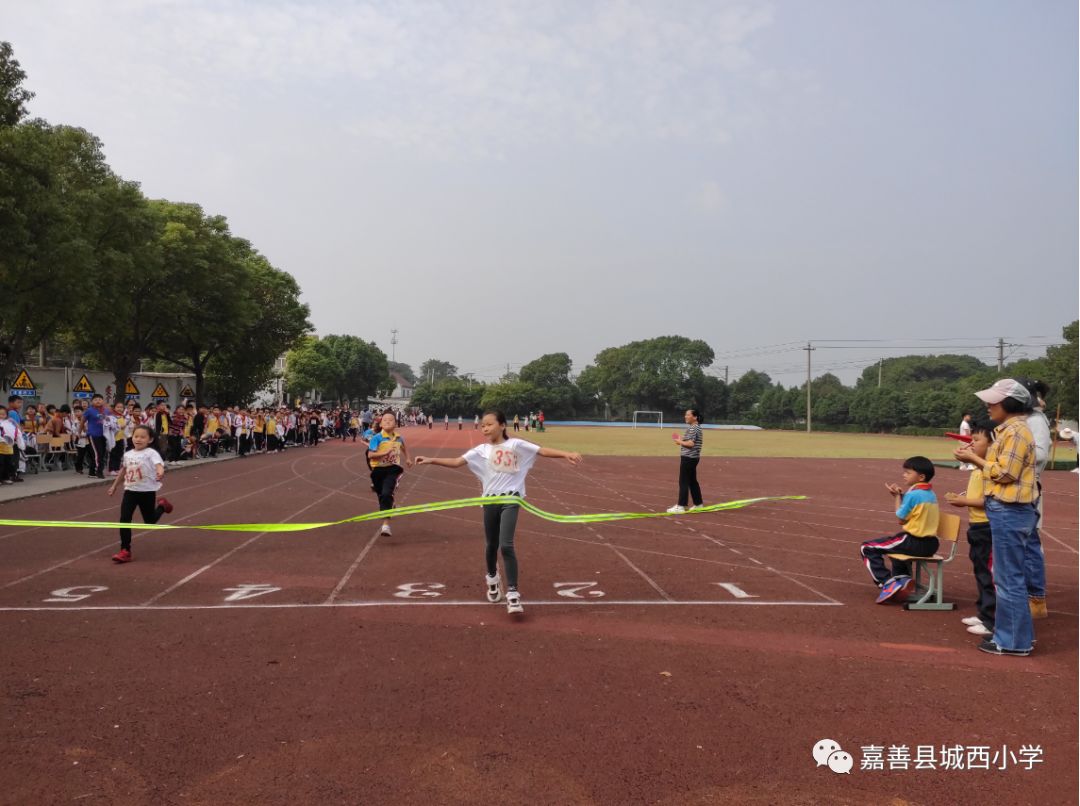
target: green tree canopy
13 95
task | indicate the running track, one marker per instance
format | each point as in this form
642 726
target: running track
678 661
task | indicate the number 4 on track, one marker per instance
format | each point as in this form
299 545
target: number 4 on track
735 590
241 592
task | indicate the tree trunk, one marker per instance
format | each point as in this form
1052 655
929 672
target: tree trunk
122 371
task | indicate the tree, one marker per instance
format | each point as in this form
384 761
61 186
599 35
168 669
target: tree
13 96
201 249
452 397
363 368
404 370
745 394
1062 375
130 284
311 366
434 370
246 366
661 373
51 179
555 392
513 397
908 370
878 409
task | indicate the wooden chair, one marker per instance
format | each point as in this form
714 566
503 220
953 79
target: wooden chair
33 460
71 450
948 531
56 455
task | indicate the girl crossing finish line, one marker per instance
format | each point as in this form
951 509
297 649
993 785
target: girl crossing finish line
501 464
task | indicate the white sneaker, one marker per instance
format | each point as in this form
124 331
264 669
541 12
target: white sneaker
513 602
979 629
971 621
494 592
676 510
695 506
385 530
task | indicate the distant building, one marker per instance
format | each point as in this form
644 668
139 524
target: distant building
402 394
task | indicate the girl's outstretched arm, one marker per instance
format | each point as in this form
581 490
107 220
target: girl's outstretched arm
552 453
431 460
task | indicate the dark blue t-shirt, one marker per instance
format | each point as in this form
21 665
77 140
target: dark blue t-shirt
94 426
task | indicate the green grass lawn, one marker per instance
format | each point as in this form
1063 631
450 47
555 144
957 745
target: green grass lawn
657 442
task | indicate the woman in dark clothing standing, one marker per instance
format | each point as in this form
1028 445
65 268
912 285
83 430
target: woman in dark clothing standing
689 456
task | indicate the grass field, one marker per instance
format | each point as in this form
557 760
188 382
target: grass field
657 442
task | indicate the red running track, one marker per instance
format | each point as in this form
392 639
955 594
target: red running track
677 661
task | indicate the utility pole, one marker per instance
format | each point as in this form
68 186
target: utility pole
879 363
1001 355
809 350
725 374
393 345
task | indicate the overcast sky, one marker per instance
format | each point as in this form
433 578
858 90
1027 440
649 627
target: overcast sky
500 180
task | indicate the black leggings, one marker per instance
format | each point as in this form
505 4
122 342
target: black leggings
146 502
980 550
383 481
500 521
688 486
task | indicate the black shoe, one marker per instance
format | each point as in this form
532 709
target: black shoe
991 648
19 478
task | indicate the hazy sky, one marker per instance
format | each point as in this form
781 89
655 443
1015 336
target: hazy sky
499 180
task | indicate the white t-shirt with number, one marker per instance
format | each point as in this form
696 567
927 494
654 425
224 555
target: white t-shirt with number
140 470
502 468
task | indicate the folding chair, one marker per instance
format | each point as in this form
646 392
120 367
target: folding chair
948 530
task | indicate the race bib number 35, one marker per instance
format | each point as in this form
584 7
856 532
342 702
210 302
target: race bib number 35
503 460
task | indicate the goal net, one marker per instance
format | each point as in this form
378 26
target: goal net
645 418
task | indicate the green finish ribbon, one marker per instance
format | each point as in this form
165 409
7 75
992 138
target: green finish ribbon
416 509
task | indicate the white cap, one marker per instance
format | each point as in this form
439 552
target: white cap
1067 433
1006 387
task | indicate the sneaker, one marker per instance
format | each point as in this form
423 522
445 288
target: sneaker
695 506
1037 605
122 556
165 505
676 510
907 586
991 648
979 629
971 621
890 588
494 591
385 530
513 602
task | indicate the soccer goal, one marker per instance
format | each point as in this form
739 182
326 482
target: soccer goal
645 418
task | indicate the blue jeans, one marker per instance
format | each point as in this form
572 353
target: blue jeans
1015 538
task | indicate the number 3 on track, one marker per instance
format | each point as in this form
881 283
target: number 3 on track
572 590
419 590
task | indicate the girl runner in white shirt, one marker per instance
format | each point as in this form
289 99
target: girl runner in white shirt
142 471
501 464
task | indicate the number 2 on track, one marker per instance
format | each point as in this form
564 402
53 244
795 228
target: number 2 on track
572 590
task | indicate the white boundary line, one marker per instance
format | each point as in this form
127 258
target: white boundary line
352 569
324 605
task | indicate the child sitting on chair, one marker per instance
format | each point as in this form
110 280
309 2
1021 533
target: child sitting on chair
917 509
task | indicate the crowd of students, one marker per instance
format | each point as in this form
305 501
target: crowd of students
96 435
